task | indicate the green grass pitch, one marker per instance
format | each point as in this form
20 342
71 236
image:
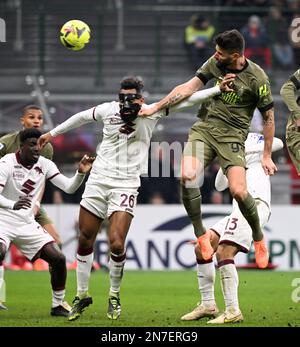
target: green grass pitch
150 299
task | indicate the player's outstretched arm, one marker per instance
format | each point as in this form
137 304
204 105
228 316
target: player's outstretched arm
268 131
70 185
178 94
73 122
85 164
202 95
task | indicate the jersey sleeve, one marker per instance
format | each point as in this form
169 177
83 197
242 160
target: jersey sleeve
4 172
264 94
51 169
96 113
204 73
288 93
295 78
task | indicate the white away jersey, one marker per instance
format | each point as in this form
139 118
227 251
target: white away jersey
18 181
122 154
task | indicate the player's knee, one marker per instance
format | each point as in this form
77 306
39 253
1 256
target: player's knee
59 260
117 246
221 253
239 192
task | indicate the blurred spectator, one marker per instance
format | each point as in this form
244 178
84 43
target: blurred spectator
198 37
277 28
257 42
156 199
216 197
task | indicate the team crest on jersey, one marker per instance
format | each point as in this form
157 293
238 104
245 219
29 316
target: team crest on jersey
38 170
18 175
115 120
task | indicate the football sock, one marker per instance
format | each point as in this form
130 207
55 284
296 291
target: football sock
229 283
2 285
191 198
249 210
57 297
83 271
206 274
116 267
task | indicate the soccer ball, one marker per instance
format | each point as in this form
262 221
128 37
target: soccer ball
75 34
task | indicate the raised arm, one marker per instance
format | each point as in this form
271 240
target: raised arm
73 122
202 95
70 185
178 94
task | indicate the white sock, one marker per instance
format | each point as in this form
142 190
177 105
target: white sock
57 297
229 283
206 274
2 285
83 272
116 266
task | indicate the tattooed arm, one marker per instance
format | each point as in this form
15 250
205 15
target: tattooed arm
178 94
268 131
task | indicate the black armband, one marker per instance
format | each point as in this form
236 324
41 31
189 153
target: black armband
295 81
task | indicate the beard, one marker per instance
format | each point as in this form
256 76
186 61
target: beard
224 63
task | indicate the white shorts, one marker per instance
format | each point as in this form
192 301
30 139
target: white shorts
104 198
235 229
28 238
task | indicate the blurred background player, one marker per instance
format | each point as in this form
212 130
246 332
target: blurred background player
224 132
112 187
288 93
32 117
22 179
231 235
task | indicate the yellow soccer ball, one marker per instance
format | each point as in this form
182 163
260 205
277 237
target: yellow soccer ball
75 34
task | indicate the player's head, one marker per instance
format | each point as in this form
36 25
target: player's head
32 117
130 98
230 46
29 151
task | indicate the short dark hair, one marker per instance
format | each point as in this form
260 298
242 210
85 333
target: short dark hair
132 82
30 107
231 41
29 133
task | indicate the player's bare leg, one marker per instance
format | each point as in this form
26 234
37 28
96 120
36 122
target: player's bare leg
56 259
206 274
237 183
229 283
2 281
89 226
191 169
119 225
